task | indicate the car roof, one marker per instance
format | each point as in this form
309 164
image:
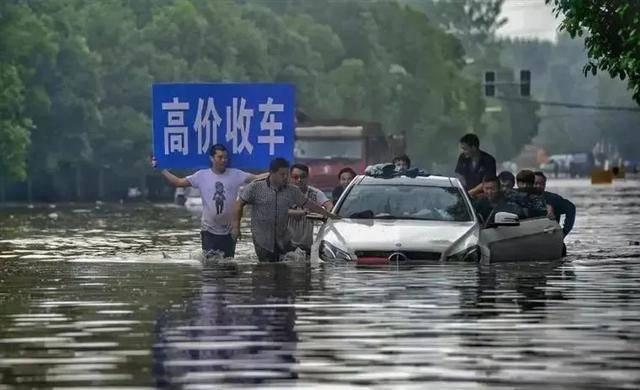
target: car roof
429 181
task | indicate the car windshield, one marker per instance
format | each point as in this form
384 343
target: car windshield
405 202
329 148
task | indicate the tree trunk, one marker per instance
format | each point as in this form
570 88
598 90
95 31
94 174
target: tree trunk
29 190
3 196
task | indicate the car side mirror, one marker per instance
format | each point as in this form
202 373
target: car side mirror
503 218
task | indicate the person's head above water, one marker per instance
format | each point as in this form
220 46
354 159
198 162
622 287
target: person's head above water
491 186
469 145
402 162
540 182
525 179
279 171
219 157
507 180
345 176
299 175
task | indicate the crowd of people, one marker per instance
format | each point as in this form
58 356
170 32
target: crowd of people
282 198
492 192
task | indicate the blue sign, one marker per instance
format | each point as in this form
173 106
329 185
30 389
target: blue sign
254 121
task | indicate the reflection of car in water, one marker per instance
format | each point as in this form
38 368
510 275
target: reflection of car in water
328 146
427 218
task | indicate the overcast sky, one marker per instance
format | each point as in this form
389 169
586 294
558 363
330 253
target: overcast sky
529 19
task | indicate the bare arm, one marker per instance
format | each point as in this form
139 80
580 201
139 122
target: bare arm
175 180
475 191
328 205
171 178
551 212
253 177
314 208
237 217
297 212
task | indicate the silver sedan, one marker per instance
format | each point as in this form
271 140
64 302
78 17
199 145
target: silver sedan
388 220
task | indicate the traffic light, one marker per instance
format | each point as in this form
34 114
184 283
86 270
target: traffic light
525 83
489 83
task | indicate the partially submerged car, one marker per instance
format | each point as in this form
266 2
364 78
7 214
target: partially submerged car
412 219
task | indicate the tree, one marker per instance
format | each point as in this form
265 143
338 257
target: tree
612 36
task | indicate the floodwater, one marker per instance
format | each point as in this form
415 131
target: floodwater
116 296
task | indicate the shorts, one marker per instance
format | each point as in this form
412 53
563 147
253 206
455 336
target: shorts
216 242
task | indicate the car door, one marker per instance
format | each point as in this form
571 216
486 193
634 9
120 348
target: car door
534 239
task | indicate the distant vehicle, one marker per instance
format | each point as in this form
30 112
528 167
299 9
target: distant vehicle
581 164
328 146
402 219
188 197
574 165
557 163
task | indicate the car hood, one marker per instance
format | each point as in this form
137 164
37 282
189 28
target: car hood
388 235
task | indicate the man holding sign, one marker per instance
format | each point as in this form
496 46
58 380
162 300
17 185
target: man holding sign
202 125
218 187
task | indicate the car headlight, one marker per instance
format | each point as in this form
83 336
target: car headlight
470 254
328 252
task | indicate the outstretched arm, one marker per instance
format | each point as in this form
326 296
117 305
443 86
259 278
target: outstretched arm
171 178
252 177
570 217
315 208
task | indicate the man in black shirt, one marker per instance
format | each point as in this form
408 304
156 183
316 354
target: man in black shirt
474 164
560 205
493 201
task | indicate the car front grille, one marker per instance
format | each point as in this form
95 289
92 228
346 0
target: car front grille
411 255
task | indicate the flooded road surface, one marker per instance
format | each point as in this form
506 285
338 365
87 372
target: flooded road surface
116 296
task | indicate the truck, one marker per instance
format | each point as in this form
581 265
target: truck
330 145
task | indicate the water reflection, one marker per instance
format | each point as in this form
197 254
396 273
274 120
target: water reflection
112 297
240 328
514 288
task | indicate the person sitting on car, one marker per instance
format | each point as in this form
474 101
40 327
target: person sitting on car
494 200
345 176
529 198
402 162
473 164
560 205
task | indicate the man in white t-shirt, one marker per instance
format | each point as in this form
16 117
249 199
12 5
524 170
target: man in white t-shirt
300 227
218 187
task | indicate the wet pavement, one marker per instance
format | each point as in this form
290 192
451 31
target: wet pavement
115 296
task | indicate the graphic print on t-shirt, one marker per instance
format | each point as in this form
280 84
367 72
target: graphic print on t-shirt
219 197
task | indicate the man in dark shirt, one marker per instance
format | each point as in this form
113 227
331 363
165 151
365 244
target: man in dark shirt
493 201
474 164
270 200
560 205
530 199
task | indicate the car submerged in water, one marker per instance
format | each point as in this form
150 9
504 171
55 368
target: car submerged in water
427 218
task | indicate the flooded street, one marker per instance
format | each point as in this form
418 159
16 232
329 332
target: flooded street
115 295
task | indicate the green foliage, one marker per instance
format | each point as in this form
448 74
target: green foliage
76 74
556 78
612 36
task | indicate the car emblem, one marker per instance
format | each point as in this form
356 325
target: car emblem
397 256
398 245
